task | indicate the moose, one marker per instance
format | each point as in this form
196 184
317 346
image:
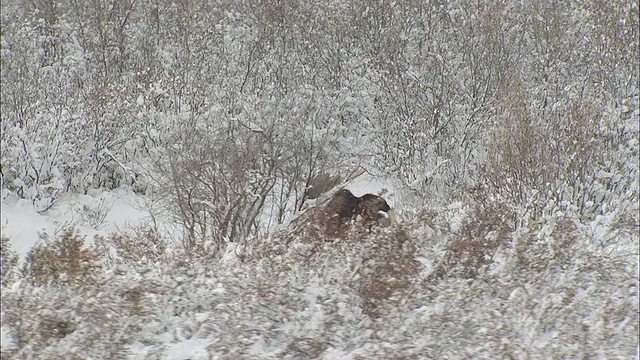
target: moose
344 207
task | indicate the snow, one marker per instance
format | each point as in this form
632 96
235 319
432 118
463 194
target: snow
194 349
22 224
99 213
191 349
370 184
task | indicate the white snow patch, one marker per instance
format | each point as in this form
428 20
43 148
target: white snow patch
6 342
98 213
21 223
192 349
368 184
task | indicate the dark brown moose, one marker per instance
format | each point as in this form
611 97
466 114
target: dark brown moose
345 207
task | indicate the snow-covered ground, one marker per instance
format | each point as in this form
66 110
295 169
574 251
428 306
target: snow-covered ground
98 213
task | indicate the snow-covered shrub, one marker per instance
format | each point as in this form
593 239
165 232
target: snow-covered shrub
472 248
557 288
566 143
216 181
8 262
33 321
71 302
388 271
561 292
61 261
62 128
97 320
139 247
582 162
553 242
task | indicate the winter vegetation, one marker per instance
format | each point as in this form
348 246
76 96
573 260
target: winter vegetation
504 134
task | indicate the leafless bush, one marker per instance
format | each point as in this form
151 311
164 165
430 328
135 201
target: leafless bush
140 246
550 164
95 214
61 261
216 185
472 249
388 271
